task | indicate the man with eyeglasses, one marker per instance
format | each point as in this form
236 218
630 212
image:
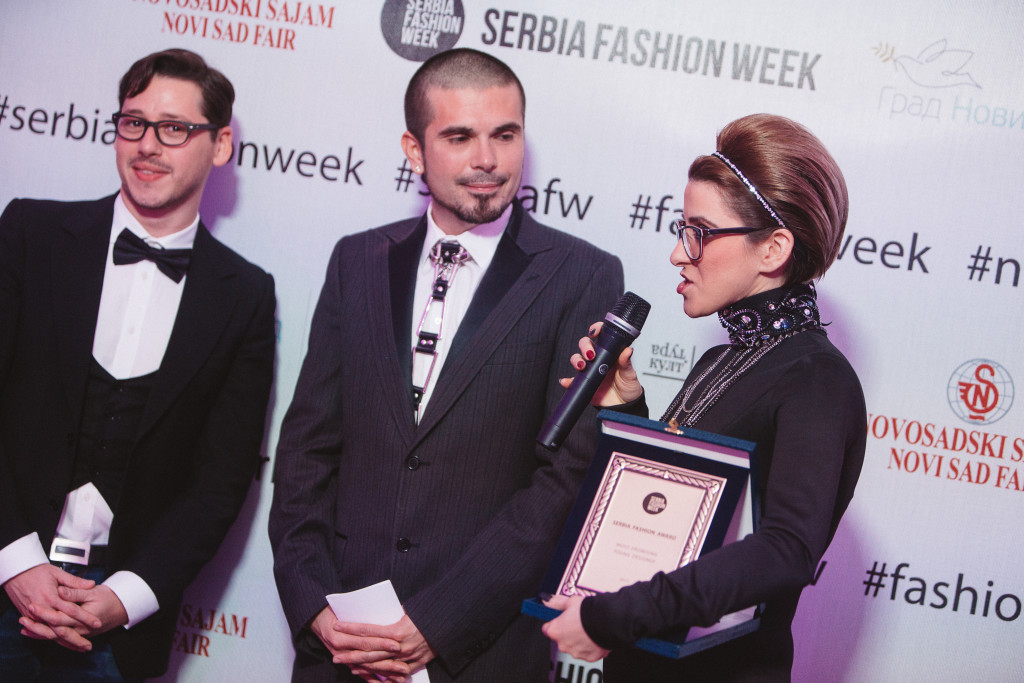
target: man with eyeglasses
136 358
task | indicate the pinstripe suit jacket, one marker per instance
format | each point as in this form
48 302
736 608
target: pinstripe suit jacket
462 511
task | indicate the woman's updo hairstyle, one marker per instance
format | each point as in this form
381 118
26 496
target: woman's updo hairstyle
798 178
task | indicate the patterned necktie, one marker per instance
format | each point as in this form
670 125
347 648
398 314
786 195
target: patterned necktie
446 257
130 248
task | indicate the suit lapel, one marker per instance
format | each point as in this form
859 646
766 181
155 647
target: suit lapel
523 266
403 262
79 257
391 280
206 305
508 264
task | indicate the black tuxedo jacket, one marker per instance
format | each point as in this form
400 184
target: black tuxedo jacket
200 433
461 512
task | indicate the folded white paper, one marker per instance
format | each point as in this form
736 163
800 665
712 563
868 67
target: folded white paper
376 604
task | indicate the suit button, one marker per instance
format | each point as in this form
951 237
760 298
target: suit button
54 504
71 439
403 545
412 462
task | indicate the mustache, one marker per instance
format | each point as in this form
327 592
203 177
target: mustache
149 161
478 178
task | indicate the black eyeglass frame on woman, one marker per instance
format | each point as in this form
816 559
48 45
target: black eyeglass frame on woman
681 230
161 128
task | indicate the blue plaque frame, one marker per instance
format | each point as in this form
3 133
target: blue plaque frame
737 513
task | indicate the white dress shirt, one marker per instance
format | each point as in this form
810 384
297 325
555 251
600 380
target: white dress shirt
138 306
480 242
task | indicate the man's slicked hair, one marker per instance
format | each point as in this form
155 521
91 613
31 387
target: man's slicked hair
453 70
218 93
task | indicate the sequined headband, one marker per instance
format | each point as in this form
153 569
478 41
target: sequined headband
750 186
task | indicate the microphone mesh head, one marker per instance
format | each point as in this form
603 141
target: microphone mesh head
631 309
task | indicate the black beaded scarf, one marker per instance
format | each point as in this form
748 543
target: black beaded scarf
756 325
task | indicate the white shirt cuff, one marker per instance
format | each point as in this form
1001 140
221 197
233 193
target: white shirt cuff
20 556
136 596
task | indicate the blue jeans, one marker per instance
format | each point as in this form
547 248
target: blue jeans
26 659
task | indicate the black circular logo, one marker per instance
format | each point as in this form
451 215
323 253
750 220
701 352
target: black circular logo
655 503
419 29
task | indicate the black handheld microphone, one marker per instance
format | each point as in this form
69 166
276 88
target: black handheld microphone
621 326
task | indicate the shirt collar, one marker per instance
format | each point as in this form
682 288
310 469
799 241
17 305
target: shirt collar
123 218
481 241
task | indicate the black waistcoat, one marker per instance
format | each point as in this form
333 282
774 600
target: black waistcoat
110 422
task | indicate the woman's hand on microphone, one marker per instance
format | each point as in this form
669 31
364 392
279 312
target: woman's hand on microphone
620 385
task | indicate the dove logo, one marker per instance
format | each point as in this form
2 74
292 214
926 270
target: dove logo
937 66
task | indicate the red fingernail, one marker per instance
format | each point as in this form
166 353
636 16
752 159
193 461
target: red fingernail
580 365
590 355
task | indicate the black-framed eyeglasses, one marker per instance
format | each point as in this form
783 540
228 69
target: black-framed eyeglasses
169 133
692 236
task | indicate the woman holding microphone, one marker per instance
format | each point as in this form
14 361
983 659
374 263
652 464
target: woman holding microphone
763 218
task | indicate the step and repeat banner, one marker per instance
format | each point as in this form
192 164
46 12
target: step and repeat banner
920 103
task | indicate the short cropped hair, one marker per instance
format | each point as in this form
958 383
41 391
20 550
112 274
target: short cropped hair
218 93
453 70
798 177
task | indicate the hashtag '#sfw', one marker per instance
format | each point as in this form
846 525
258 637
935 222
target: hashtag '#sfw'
404 179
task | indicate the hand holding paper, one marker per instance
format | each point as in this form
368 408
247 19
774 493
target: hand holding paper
378 635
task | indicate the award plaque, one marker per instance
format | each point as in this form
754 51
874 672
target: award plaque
655 498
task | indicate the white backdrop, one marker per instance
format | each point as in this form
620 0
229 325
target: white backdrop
920 102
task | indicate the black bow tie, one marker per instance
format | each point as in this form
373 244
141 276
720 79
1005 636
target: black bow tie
130 248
